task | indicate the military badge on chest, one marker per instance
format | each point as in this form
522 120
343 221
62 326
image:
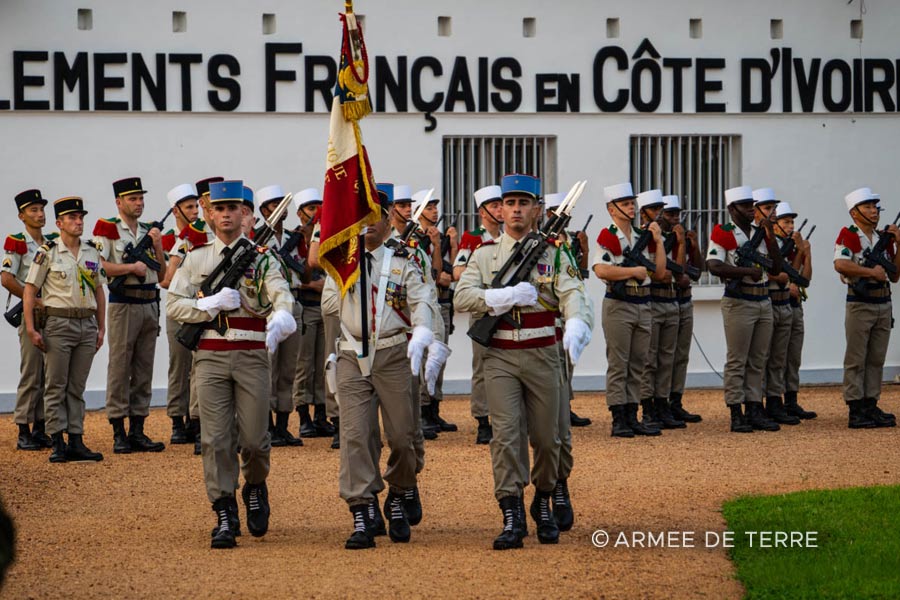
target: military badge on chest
395 295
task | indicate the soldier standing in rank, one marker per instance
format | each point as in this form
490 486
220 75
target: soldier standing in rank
514 387
133 318
801 260
232 369
657 381
671 218
626 309
489 205
68 275
309 383
400 299
442 248
284 360
746 309
19 250
868 319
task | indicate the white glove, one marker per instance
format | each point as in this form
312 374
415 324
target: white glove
438 352
331 373
280 326
575 338
225 300
501 300
421 339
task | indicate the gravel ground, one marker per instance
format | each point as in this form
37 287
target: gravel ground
138 525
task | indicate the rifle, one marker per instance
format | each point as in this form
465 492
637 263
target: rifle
748 255
523 260
138 252
786 250
693 271
671 265
578 251
634 257
284 253
228 274
413 223
446 267
876 255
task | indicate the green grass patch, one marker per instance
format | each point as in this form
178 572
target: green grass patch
857 538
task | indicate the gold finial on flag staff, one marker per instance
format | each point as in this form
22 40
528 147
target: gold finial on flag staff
348 6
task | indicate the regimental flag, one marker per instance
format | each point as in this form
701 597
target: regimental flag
348 202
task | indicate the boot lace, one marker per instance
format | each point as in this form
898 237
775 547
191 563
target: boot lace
560 494
359 521
254 499
508 519
545 508
396 508
223 519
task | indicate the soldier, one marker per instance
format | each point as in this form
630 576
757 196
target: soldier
19 250
746 309
868 317
68 275
400 299
284 359
801 260
133 318
232 369
626 309
489 205
657 381
513 385
671 218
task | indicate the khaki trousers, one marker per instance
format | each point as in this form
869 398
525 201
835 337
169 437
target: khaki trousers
194 407
388 387
782 321
231 389
657 381
283 368
131 333
332 332
626 327
71 345
180 361
566 460
515 387
868 330
30 393
424 398
795 351
748 333
682 346
478 401
309 384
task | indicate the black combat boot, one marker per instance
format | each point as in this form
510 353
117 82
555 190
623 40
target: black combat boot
361 537
511 536
542 514
120 438
791 407
758 419
576 421
775 411
562 506
664 415
412 504
620 426
223 535
859 416
276 440
376 519
195 428
336 439
648 414
429 425
281 428
678 410
39 434
138 440
398 524
636 426
179 432
58 455
234 521
881 418
77 451
739 423
25 441
485 431
256 501
443 424
523 522
320 422
307 430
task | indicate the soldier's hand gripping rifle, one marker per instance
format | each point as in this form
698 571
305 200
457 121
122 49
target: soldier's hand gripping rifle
285 253
671 265
748 255
578 251
634 257
877 256
519 265
139 252
693 271
786 250
228 274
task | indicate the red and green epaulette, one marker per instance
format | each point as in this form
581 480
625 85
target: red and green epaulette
195 233
51 236
16 243
168 240
609 239
723 235
849 238
108 228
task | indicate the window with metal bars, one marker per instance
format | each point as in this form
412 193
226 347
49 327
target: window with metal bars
472 162
696 168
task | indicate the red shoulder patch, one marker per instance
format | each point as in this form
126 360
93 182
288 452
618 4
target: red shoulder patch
168 241
469 241
610 241
850 240
193 235
724 238
107 229
14 244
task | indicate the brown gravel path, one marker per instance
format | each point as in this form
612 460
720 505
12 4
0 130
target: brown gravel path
138 525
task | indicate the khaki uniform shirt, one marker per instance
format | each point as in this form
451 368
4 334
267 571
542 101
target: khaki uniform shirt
16 262
612 246
64 280
723 247
111 250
